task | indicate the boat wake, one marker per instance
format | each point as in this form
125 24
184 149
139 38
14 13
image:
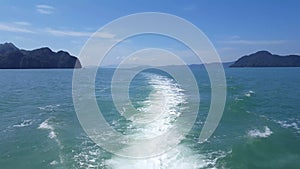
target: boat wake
161 110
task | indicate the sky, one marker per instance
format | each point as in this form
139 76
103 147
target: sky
234 27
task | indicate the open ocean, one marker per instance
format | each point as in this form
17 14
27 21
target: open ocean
260 127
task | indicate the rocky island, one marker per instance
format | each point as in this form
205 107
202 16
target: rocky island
266 59
12 57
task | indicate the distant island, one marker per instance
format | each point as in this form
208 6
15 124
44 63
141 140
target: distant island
12 57
266 59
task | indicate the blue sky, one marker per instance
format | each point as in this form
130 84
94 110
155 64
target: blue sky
234 27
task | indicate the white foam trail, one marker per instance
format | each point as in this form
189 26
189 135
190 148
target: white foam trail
161 109
262 134
45 125
180 157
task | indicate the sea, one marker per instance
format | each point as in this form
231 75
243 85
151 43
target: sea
259 129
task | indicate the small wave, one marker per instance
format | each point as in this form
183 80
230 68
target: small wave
238 99
25 123
49 107
261 134
249 93
53 162
245 94
214 157
45 125
52 135
286 124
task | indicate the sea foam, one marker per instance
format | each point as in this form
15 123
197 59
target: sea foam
261 134
181 157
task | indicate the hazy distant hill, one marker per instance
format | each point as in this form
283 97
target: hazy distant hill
13 58
266 59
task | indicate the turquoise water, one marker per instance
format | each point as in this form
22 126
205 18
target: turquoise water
260 127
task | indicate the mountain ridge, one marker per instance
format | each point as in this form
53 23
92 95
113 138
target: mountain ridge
266 59
11 57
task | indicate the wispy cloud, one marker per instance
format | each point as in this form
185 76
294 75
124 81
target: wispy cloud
253 42
44 9
14 28
25 27
22 23
66 32
79 33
